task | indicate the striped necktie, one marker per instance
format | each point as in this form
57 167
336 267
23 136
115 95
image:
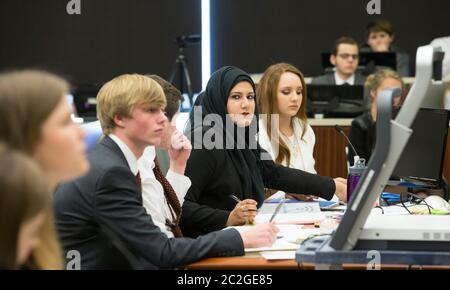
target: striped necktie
172 200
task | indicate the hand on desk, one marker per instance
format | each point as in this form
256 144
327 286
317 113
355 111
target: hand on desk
262 235
341 188
244 212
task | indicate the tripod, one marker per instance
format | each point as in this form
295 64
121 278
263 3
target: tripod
180 68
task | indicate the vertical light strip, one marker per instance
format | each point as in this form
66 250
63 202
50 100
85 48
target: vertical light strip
206 43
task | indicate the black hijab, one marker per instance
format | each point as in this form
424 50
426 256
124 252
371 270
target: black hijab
245 159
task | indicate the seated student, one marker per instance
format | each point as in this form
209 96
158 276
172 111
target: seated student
163 196
102 215
290 139
227 160
345 58
362 130
379 38
36 120
24 200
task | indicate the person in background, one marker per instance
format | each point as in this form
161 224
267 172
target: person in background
362 130
24 200
36 120
102 216
234 163
379 38
345 58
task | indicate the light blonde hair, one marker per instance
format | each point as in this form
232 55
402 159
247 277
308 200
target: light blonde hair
119 96
25 195
267 95
27 99
374 81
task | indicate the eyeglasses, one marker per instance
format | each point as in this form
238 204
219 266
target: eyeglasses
347 55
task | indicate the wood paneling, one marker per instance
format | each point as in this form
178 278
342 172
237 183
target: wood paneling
329 151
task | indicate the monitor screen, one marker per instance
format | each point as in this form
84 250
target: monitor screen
335 101
423 156
85 100
367 59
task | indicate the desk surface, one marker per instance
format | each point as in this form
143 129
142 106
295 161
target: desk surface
259 263
247 262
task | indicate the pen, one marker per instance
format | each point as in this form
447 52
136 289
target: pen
277 209
235 198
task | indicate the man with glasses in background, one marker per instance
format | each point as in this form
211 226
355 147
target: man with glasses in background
344 57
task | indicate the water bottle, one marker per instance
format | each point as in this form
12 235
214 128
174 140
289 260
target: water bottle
354 174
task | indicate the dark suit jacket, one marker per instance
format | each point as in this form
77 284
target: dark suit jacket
328 79
362 135
101 215
207 204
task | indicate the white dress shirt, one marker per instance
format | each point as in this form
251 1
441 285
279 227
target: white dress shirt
301 149
339 81
129 155
153 197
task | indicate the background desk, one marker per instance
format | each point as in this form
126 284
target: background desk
329 151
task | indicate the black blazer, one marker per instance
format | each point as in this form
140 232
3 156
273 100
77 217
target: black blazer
101 215
328 79
207 204
362 135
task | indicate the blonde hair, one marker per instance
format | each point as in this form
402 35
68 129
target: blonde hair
267 95
374 81
25 195
27 99
120 95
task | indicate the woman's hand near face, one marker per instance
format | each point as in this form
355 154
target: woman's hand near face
179 152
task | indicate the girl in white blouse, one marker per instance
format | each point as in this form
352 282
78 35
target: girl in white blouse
281 95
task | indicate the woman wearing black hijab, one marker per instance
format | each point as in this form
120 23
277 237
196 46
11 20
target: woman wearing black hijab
227 159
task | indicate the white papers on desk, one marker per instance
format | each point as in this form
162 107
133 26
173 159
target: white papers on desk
291 213
288 207
286 234
293 238
278 255
292 218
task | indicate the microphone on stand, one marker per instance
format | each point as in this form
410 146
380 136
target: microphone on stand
339 129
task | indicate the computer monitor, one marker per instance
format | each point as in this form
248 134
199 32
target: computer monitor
423 157
335 101
369 62
85 100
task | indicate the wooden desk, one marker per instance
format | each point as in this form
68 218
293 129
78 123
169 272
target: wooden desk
259 263
254 262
